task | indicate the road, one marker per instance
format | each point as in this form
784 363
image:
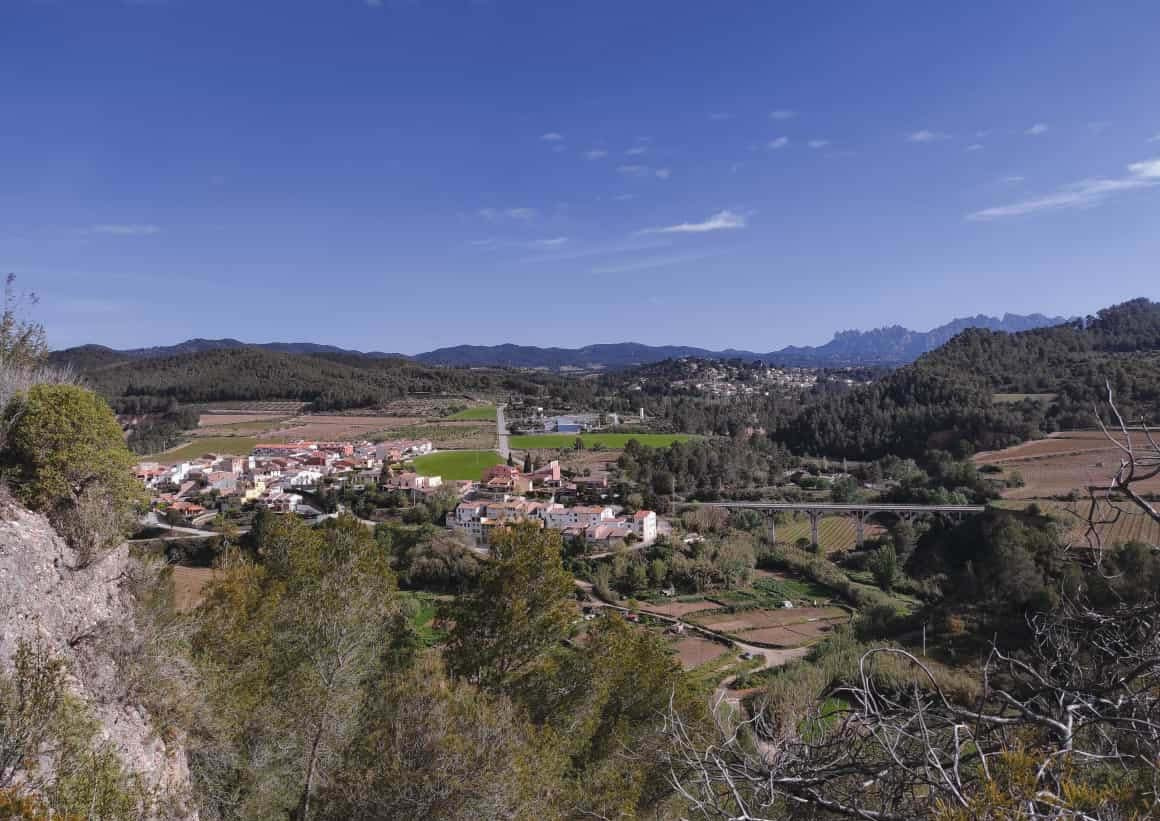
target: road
151 519
501 433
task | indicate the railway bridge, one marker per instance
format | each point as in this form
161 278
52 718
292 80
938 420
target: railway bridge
860 513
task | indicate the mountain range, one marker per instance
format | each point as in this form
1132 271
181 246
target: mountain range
889 346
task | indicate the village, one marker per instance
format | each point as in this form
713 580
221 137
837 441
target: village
287 478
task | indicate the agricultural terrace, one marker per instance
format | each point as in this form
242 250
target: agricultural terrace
1129 526
1057 465
795 627
612 441
483 412
456 464
835 533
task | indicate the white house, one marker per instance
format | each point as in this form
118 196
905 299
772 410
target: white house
644 525
302 477
560 518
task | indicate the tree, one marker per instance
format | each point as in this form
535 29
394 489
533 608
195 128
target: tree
433 748
904 538
527 462
23 348
844 490
884 566
22 341
603 699
65 455
522 607
286 648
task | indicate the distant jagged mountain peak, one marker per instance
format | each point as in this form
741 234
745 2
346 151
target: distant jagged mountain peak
889 345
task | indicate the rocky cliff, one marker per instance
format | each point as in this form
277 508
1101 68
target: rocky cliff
72 612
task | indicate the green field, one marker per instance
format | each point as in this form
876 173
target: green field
474 414
456 464
224 445
612 441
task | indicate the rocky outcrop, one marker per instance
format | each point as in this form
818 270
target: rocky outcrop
71 612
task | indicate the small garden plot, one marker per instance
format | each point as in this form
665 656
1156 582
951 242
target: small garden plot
791 636
758 619
730 623
694 651
678 609
775 636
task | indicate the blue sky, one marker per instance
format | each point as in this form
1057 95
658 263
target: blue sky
406 174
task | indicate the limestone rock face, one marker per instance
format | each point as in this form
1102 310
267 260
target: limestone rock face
71 611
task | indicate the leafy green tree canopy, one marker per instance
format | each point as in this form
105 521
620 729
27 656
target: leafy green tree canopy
63 440
521 608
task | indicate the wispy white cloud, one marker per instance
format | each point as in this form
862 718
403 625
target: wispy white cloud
1082 194
126 230
719 116
721 221
926 136
1014 178
553 242
633 170
1155 138
637 150
596 154
782 114
818 143
1148 169
986 132
497 214
975 147
1036 130
490 242
375 4
663 173
779 142
624 197
1099 126
552 137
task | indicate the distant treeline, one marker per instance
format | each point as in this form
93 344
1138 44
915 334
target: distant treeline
325 381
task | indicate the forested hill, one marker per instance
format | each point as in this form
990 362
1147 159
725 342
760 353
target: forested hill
890 346
947 398
327 381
